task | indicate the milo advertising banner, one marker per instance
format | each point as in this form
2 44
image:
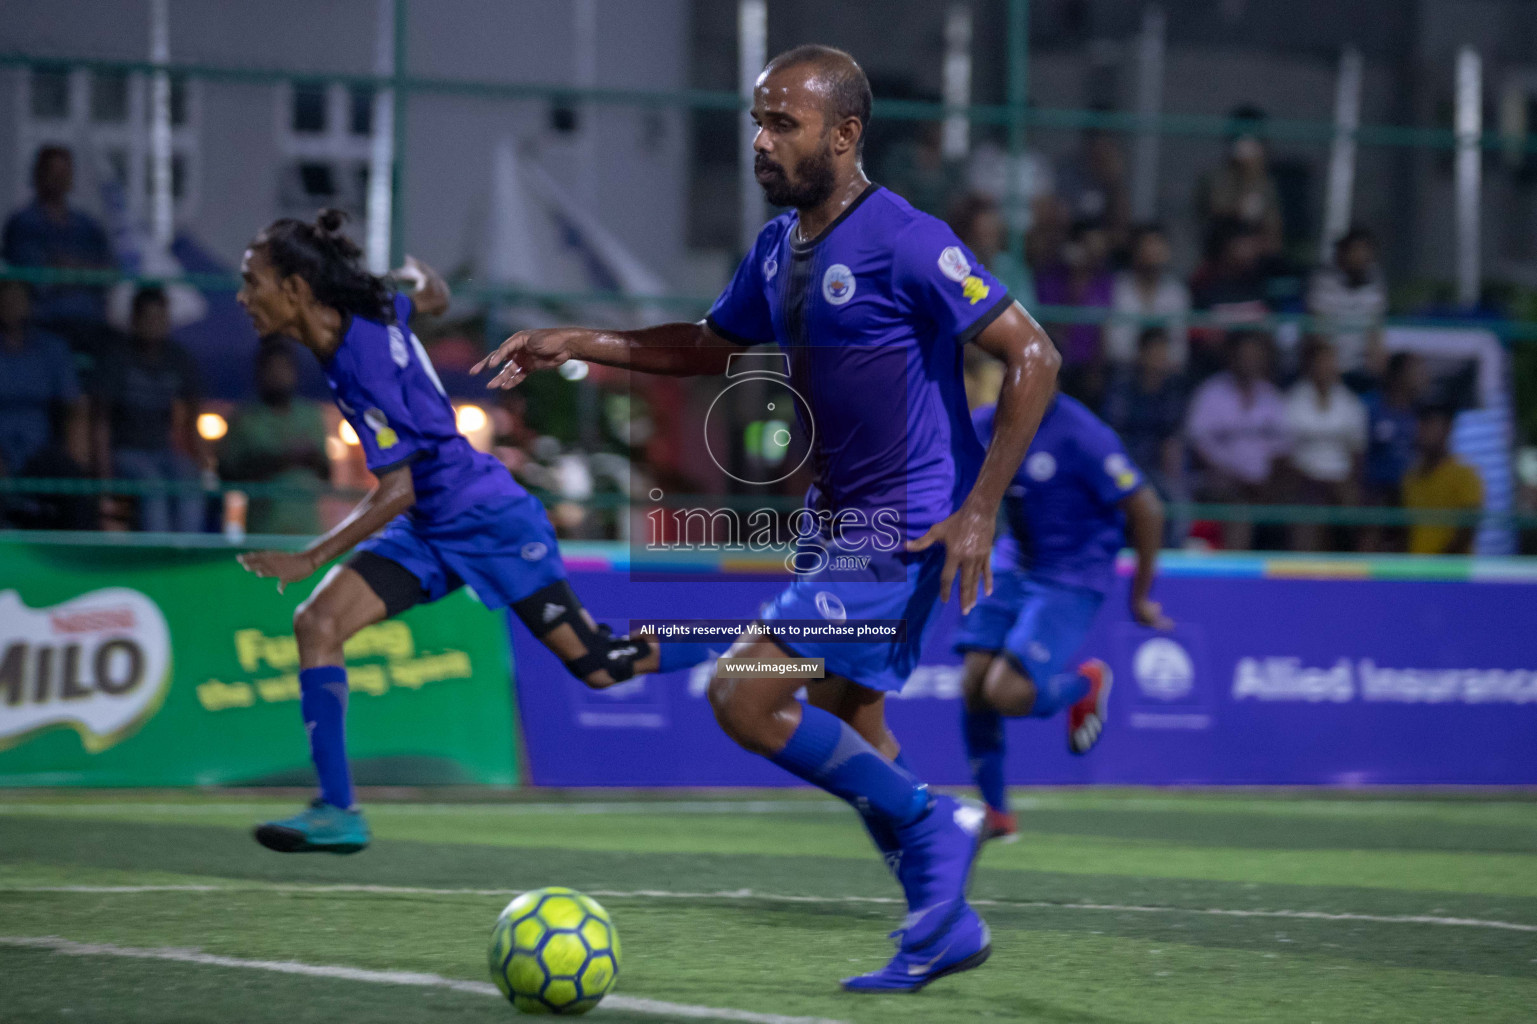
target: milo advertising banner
160 667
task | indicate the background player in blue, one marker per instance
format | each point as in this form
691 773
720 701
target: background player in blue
450 515
1073 500
872 301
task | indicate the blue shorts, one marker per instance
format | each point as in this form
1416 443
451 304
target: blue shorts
1039 625
836 596
502 551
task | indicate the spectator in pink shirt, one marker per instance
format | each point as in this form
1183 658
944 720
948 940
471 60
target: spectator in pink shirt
1237 430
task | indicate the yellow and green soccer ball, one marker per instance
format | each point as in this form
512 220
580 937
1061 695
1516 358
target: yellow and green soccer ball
554 951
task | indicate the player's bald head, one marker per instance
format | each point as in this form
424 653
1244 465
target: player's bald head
835 76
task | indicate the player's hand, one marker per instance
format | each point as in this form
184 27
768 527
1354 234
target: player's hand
1149 613
284 566
968 539
526 352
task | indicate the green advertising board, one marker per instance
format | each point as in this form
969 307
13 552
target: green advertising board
153 666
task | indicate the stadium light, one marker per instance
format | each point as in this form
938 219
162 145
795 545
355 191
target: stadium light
469 418
211 426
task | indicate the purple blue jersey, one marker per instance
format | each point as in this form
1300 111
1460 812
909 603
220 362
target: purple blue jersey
385 386
1064 523
872 314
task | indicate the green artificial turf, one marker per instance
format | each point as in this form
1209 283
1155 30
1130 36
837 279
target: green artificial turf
1135 907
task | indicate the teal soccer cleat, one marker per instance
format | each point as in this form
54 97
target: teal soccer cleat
319 828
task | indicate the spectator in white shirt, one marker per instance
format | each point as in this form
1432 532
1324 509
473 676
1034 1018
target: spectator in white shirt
1327 423
1351 298
1148 288
1237 430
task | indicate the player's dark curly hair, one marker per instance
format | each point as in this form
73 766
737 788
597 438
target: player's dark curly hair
330 263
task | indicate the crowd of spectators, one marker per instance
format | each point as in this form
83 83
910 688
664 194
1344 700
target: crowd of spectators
1213 404
80 399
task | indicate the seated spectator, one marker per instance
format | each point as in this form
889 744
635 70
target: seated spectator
1145 404
43 419
1352 299
916 169
1327 424
978 222
49 233
1439 480
1390 434
1229 284
278 440
1243 189
1237 430
146 394
1081 278
1148 288
1093 184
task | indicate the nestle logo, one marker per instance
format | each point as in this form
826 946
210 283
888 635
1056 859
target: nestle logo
93 620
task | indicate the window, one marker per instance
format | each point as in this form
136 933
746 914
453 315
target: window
109 97
50 93
102 117
309 108
362 119
326 138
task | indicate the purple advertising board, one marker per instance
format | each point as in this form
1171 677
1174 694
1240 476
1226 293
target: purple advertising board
1278 672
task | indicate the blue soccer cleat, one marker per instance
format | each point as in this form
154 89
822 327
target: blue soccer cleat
965 944
934 866
319 828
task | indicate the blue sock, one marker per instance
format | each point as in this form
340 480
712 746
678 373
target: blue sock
883 835
682 655
1062 690
985 746
827 753
323 702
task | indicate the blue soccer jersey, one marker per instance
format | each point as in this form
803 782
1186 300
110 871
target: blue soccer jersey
386 387
873 314
1064 521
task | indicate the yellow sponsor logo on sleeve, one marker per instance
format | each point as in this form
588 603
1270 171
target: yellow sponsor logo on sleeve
386 437
975 289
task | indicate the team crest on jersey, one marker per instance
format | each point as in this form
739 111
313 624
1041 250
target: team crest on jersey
532 552
954 265
838 284
1118 468
1041 466
384 434
398 350
770 268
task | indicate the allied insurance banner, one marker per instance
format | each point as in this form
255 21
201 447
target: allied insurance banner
160 667
1269 679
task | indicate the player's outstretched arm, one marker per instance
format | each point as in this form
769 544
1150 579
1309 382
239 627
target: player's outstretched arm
429 292
1144 526
396 493
1030 363
674 350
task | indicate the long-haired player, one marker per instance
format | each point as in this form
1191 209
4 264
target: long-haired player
442 516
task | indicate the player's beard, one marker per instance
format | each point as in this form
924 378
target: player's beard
813 185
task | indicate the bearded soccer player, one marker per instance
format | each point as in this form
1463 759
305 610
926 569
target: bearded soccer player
1074 499
442 516
872 302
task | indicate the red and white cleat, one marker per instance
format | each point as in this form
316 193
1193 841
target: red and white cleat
1086 718
1000 825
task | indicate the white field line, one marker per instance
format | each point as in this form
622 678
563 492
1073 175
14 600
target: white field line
748 895
413 978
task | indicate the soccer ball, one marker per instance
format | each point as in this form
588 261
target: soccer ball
554 951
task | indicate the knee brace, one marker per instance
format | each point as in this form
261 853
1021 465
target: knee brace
557 605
